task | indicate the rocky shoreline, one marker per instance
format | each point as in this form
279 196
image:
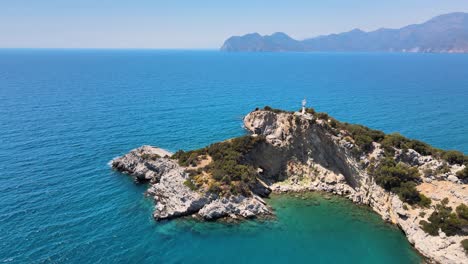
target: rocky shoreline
301 153
174 198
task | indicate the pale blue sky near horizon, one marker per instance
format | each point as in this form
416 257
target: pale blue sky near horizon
197 24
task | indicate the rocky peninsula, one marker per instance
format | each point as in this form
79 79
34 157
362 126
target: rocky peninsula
419 188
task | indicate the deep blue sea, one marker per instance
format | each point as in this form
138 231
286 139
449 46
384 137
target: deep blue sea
64 114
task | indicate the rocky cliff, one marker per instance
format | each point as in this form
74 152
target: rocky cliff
293 152
322 158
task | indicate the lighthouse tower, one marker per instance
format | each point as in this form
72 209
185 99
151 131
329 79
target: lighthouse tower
303 106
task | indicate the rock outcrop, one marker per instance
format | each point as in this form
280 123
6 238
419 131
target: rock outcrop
173 198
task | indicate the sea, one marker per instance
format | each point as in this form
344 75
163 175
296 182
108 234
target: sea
65 113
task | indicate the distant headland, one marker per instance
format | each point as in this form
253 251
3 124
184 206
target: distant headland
442 34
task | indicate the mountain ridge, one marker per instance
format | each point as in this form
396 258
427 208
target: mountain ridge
447 33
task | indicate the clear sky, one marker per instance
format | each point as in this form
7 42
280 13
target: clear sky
197 23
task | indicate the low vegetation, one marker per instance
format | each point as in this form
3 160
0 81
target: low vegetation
310 110
190 184
400 179
444 219
395 140
147 156
231 171
454 157
464 244
363 136
275 110
463 174
321 115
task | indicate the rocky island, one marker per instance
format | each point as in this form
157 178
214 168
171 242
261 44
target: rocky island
417 187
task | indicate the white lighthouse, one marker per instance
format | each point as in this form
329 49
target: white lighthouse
303 106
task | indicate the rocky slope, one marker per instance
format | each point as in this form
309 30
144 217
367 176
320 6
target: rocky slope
296 152
173 198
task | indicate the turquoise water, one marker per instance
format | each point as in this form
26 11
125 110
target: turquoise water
65 113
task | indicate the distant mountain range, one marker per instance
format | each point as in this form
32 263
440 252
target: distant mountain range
446 33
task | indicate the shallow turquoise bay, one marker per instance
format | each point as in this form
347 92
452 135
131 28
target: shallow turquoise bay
307 227
64 114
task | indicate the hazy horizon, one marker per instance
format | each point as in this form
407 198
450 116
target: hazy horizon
205 24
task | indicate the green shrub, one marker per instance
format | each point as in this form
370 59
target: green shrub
444 219
463 174
274 110
429 228
190 184
462 211
231 170
356 130
364 142
424 201
443 169
389 174
452 225
464 244
400 179
363 136
310 110
189 158
408 193
214 187
394 140
428 172
376 135
454 157
147 156
420 147
192 173
239 188
323 116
